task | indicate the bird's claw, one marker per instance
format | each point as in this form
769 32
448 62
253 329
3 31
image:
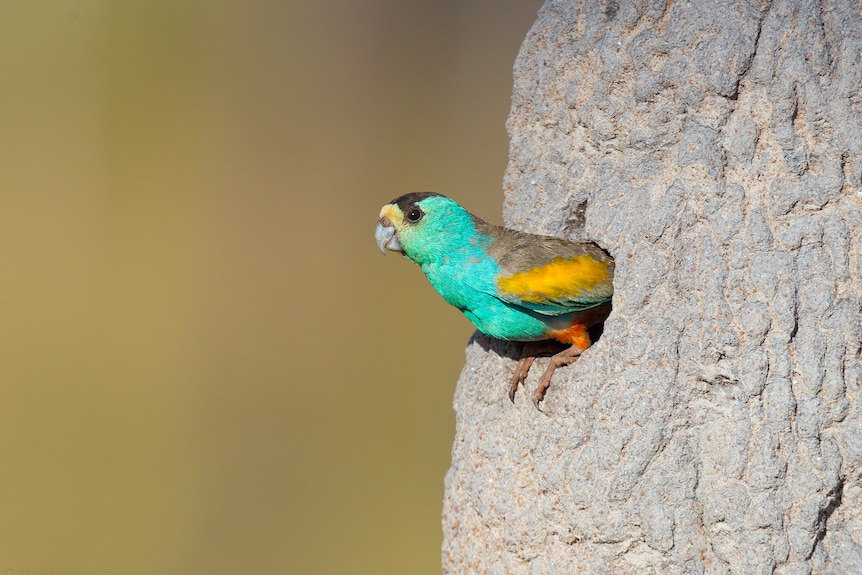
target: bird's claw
565 357
537 403
520 376
544 384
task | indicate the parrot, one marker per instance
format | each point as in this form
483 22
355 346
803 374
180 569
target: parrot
511 285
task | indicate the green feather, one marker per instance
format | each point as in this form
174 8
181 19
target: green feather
464 257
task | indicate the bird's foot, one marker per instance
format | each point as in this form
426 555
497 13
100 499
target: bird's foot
521 374
566 357
531 350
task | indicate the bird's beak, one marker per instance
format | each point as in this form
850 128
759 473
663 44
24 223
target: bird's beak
386 237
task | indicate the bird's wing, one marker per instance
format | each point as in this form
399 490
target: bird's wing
550 275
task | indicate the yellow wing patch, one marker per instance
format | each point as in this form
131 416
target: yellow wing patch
556 280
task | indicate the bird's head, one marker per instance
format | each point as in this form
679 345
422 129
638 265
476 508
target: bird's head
422 226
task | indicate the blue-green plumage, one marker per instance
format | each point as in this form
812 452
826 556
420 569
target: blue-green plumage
511 285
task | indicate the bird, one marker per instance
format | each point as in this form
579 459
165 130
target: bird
512 285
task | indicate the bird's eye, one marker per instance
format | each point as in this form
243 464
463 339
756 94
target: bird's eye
414 215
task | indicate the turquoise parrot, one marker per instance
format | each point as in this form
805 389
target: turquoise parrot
512 285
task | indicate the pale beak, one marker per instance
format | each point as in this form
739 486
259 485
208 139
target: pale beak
386 237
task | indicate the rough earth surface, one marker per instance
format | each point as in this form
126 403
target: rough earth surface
715 150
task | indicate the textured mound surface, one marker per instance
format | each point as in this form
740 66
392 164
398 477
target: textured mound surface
716 152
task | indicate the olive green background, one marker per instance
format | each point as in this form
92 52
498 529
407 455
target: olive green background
205 365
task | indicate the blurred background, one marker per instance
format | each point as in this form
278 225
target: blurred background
206 366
